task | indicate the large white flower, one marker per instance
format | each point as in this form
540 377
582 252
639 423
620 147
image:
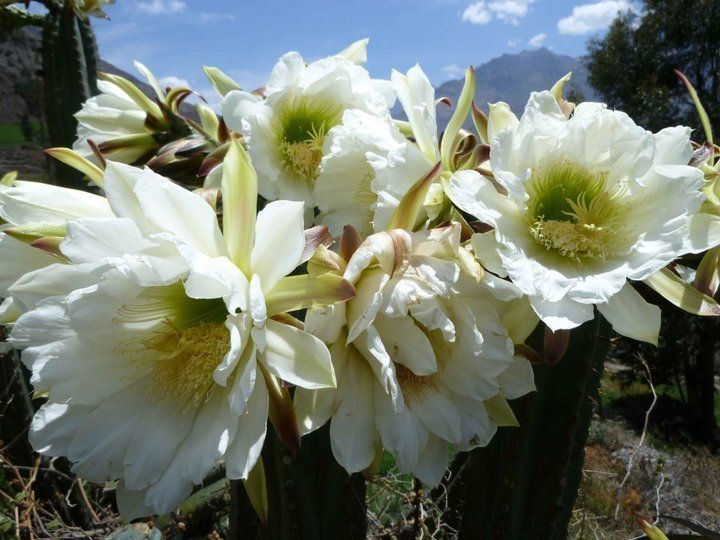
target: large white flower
286 132
34 218
369 164
421 356
586 204
168 355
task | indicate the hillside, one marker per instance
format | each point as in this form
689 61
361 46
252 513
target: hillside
511 78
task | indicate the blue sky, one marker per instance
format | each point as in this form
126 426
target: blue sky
176 37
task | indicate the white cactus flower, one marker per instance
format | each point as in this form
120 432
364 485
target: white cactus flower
587 204
286 131
421 356
166 356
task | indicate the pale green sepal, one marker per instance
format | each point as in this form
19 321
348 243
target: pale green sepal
152 81
239 196
707 277
707 127
356 52
500 412
29 232
557 91
8 178
410 205
94 173
305 291
447 147
208 120
469 264
256 488
520 320
134 93
480 120
404 127
682 294
221 82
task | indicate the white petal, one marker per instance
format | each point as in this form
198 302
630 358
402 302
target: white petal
297 357
90 240
352 429
279 241
500 118
287 72
239 327
562 315
703 233
432 462
407 344
439 414
54 280
315 407
417 97
178 211
356 52
37 202
403 435
630 315
518 379
362 309
18 258
244 451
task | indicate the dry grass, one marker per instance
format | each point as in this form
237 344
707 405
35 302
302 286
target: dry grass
680 482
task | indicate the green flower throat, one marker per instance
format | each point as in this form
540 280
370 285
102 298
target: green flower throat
572 212
302 125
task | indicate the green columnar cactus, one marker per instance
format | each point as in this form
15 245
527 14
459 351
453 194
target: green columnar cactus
70 63
524 484
310 496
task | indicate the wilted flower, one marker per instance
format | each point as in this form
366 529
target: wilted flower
421 356
164 351
286 131
583 205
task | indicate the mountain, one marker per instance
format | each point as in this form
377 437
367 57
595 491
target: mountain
512 77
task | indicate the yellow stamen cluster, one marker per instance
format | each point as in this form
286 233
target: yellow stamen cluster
303 157
572 212
183 361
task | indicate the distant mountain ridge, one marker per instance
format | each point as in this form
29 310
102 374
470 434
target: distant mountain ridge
512 77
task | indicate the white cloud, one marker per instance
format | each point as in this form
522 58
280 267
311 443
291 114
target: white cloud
508 11
512 43
537 40
477 13
161 7
205 17
173 81
453 70
589 18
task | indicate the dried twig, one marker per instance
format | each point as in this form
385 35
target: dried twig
641 442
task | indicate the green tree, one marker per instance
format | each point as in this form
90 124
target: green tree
632 66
